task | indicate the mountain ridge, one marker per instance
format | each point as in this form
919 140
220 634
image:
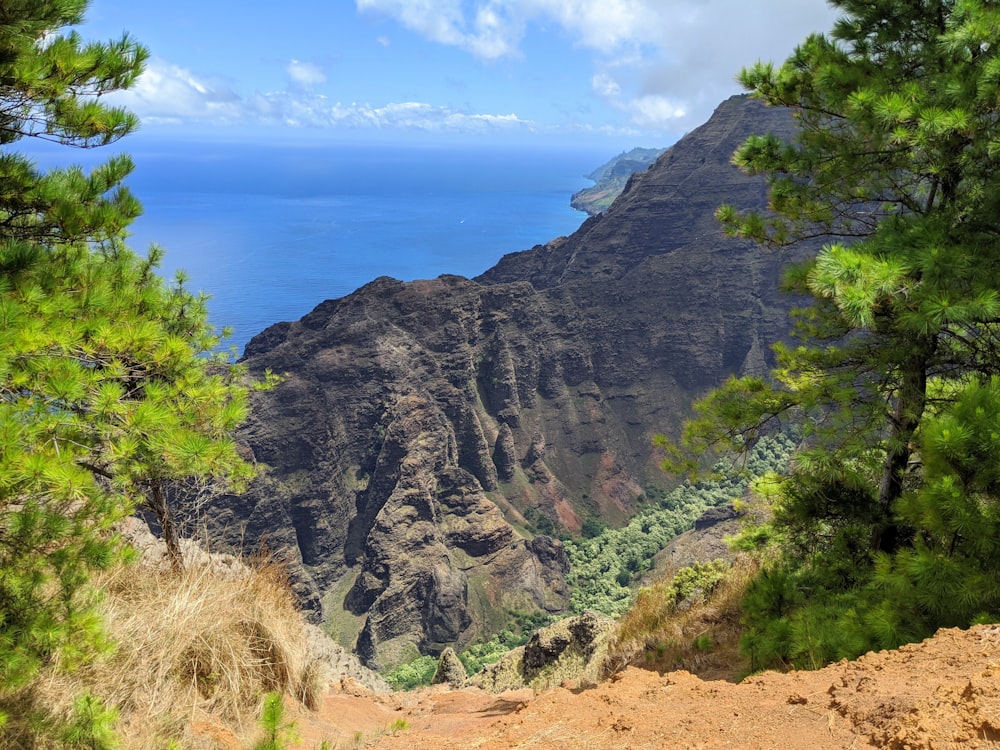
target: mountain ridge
422 425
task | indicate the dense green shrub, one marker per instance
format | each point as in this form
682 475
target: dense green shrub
413 674
602 567
698 580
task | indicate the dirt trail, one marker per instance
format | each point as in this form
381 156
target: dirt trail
942 693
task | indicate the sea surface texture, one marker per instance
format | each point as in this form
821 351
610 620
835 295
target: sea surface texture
271 231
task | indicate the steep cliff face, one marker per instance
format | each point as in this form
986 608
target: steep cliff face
424 430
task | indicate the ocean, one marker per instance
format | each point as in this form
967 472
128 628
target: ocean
269 232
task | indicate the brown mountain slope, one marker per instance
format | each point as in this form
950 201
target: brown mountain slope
942 693
426 430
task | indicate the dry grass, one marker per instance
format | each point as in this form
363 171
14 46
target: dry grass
196 653
702 638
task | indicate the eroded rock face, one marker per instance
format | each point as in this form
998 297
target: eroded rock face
431 556
421 424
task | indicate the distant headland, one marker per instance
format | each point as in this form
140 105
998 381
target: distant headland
610 179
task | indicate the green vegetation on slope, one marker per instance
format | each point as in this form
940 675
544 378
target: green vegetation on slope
606 562
604 566
690 620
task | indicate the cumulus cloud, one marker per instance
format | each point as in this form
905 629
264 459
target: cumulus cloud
672 57
491 29
305 74
438 20
320 112
652 110
167 92
170 93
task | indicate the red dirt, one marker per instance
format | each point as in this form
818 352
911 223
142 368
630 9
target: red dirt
942 693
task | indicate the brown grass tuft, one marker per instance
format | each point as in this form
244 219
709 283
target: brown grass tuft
196 652
701 636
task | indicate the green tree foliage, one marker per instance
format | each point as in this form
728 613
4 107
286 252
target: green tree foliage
946 576
479 655
697 581
106 397
896 164
413 674
603 567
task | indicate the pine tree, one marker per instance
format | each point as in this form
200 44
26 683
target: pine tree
896 166
107 389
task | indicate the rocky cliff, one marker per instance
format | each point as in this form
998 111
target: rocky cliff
426 431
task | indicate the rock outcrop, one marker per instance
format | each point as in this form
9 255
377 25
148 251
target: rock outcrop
425 431
569 651
450 670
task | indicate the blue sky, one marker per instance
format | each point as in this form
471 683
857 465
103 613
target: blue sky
615 72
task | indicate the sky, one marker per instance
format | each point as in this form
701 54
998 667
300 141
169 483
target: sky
618 72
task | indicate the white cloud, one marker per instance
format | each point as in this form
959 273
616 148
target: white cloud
305 74
653 111
170 93
604 25
606 86
673 58
438 20
167 92
401 115
491 29
495 35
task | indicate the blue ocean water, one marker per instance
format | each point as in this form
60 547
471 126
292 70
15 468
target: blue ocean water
270 232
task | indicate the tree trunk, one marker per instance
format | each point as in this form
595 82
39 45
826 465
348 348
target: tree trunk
161 509
911 399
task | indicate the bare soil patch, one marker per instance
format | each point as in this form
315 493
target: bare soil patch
942 693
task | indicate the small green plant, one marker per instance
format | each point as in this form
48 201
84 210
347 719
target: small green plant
399 725
92 725
278 733
704 643
698 580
